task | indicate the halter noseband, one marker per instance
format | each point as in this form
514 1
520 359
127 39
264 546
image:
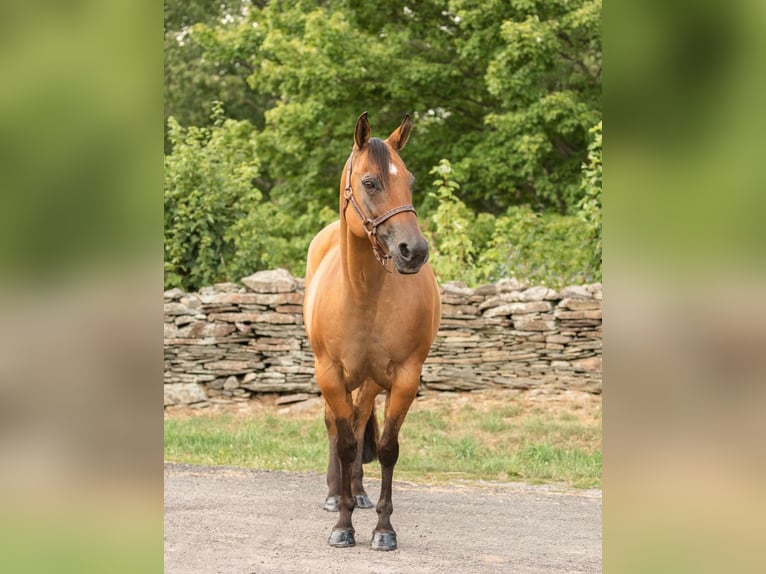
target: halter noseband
371 225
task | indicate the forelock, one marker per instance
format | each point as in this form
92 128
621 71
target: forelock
380 158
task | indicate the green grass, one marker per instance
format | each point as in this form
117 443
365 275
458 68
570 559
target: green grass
268 442
440 442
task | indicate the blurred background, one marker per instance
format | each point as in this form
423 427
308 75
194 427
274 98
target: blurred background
80 287
684 312
506 150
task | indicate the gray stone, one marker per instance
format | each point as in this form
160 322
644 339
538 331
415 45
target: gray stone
586 314
174 308
457 287
485 290
173 294
519 308
536 293
579 304
215 385
532 323
229 367
227 288
292 398
272 281
231 383
512 284
591 364
184 393
575 292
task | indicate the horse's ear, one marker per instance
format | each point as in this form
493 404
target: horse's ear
361 131
401 134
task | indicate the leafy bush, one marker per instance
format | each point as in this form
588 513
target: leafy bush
547 248
590 205
449 228
218 225
506 89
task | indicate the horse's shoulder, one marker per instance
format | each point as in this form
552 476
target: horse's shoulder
322 243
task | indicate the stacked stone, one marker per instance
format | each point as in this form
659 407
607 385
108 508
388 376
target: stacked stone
227 342
510 335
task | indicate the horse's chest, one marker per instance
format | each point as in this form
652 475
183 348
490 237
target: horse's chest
363 359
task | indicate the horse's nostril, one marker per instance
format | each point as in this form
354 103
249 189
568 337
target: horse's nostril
404 251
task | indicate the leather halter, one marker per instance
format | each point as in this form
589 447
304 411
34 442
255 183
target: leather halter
371 225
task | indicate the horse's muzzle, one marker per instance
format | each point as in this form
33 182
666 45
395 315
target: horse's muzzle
410 257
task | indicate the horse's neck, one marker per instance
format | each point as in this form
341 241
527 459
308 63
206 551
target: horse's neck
363 275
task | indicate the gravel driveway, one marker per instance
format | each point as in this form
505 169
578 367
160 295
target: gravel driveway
232 520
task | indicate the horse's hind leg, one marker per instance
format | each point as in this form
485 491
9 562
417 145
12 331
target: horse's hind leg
398 402
365 431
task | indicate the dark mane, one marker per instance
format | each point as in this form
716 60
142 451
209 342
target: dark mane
380 158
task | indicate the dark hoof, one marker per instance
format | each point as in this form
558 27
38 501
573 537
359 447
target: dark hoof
332 504
383 541
341 538
363 501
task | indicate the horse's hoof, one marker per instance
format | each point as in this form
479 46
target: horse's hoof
332 504
363 501
342 538
383 541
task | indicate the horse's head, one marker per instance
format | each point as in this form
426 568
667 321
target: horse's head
378 187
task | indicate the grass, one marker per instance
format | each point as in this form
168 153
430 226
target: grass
487 436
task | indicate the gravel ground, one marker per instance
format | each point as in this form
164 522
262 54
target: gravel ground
232 520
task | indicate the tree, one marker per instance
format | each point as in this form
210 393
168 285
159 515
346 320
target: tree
218 225
194 80
507 90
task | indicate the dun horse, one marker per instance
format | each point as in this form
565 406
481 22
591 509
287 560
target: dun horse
370 326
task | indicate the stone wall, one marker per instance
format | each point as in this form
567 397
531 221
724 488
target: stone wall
229 341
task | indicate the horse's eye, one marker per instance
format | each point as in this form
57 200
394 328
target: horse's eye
368 185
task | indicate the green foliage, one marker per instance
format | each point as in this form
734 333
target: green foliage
450 228
193 79
507 90
218 226
590 205
545 249
549 249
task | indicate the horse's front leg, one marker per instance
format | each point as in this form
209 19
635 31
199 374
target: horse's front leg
339 400
400 397
332 502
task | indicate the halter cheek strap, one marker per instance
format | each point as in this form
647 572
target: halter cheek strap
371 225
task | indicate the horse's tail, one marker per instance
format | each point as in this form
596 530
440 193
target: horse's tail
370 447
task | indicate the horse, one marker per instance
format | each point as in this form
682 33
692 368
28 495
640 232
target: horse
371 313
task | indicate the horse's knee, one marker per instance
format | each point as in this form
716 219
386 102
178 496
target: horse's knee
388 451
346 442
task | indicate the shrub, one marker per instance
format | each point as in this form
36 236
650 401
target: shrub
548 248
590 205
218 225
